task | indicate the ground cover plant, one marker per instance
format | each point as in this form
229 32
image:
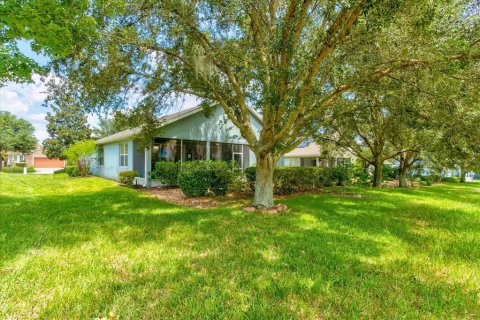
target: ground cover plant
86 248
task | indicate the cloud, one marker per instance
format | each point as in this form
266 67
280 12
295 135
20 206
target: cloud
25 101
37 117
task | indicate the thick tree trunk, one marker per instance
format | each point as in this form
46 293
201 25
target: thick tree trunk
264 182
402 178
402 172
377 176
463 173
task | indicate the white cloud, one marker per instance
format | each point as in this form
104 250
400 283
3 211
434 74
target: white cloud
25 101
37 117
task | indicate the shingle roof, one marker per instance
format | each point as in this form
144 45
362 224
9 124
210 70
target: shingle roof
311 150
126 134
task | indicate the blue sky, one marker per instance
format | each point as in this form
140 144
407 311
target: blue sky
25 100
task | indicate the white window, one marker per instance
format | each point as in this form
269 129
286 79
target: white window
123 154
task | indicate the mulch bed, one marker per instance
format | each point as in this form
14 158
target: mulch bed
176 196
410 184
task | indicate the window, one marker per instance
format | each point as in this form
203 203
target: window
194 150
101 156
123 154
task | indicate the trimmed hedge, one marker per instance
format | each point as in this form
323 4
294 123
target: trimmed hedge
17 170
59 171
288 180
167 173
127 177
197 178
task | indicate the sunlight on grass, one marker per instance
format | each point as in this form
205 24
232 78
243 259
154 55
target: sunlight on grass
85 248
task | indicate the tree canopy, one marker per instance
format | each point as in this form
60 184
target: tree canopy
67 124
292 61
17 135
55 28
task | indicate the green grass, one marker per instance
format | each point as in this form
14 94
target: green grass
84 248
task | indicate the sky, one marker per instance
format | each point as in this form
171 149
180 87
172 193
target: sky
25 100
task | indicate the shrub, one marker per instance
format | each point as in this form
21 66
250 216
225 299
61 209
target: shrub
194 182
72 171
287 180
17 170
127 177
239 183
21 164
389 172
196 178
221 177
450 179
167 173
59 171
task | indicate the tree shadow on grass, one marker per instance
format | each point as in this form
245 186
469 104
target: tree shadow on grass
319 261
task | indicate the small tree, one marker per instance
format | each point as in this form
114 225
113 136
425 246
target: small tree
15 135
80 153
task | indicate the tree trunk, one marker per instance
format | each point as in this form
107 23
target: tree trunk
402 172
264 182
377 176
402 178
463 173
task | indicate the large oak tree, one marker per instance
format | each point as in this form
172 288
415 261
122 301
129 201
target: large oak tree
291 61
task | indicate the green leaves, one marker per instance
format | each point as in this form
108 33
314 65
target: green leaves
16 135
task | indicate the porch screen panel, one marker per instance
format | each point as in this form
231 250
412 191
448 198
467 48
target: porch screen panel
166 150
194 150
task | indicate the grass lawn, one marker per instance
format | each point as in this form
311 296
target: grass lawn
85 248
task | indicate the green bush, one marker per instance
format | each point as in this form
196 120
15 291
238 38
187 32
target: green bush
450 179
197 178
194 182
389 172
167 173
72 171
287 180
21 164
59 171
239 183
127 177
17 170
221 177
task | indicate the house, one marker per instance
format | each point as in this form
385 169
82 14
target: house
184 136
309 154
36 160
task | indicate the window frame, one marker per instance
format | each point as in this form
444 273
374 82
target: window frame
123 154
101 156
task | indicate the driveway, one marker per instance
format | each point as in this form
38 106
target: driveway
46 170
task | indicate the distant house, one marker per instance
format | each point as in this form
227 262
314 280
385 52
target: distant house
36 160
310 155
184 136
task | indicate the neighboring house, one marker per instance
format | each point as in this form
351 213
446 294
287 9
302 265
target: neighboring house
13 158
184 136
310 155
36 160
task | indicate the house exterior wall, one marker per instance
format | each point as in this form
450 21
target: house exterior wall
216 128
111 167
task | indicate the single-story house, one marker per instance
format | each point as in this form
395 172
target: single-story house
184 136
36 160
309 154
